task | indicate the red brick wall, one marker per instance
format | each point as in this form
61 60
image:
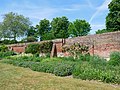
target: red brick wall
100 44
59 46
18 49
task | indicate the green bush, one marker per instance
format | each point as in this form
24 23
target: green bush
33 48
64 69
27 58
46 47
67 58
97 62
114 58
6 54
3 48
95 68
47 67
84 57
87 71
59 68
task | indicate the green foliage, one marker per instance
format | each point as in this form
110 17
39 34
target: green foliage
72 30
85 71
6 41
101 31
114 58
3 48
46 47
6 54
64 69
43 28
76 49
84 57
29 39
86 67
26 58
60 27
113 18
48 36
14 25
31 32
97 62
79 28
58 68
33 48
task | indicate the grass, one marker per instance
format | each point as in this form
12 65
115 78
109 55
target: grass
17 78
85 68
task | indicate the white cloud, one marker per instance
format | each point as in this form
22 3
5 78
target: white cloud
100 9
31 10
72 7
90 4
95 27
40 14
79 6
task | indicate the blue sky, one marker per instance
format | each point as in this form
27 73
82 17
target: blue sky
93 11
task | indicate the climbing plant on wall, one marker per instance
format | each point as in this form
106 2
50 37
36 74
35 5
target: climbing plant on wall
76 49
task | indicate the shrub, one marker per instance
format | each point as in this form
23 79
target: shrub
33 48
87 71
27 58
67 58
59 68
114 58
3 48
5 54
84 57
64 69
97 62
76 49
47 67
95 68
46 47
29 39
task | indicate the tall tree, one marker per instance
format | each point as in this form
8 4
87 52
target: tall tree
31 31
43 28
113 18
60 27
72 30
14 25
79 28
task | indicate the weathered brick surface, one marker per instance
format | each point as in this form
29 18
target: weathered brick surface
19 49
100 44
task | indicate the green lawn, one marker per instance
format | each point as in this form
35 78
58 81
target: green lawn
17 78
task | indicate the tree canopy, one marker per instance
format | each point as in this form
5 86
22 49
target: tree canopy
43 27
113 18
59 26
79 28
14 25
